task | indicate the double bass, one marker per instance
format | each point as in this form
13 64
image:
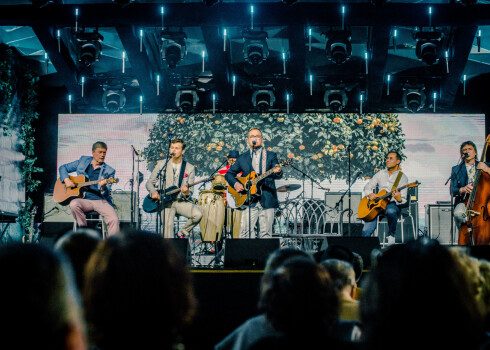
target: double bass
476 229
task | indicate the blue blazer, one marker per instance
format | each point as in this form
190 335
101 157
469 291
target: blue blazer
243 164
79 166
459 178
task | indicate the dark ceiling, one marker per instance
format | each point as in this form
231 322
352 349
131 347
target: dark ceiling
304 56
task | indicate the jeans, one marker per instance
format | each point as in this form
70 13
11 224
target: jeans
392 213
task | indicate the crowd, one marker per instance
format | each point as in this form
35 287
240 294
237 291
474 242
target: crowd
133 291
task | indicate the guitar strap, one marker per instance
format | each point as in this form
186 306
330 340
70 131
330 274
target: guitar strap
397 181
182 172
264 160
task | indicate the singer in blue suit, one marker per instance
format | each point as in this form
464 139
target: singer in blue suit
262 208
462 178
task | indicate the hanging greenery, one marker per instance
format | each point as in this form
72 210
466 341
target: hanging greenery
318 142
18 94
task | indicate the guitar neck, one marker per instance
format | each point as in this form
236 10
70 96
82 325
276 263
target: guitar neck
189 185
264 175
391 192
88 183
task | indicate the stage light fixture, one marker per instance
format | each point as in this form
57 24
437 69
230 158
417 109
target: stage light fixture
88 46
186 98
210 2
428 47
335 97
113 99
339 48
44 3
255 48
413 96
289 2
263 97
173 48
122 3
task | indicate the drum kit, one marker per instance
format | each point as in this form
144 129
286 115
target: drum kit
213 206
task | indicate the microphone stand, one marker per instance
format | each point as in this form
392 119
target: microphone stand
450 178
163 187
350 184
132 185
348 210
311 179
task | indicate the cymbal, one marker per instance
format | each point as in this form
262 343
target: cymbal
288 188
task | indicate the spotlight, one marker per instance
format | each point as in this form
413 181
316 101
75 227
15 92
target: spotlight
113 99
339 48
210 2
186 98
122 3
263 97
413 96
88 46
43 3
335 97
173 47
428 47
255 49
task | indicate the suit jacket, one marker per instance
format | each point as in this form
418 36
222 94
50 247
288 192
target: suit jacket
153 180
243 164
80 166
459 178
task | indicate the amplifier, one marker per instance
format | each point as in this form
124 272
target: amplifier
438 219
53 212
332 198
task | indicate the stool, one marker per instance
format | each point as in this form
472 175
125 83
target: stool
403 215
93 216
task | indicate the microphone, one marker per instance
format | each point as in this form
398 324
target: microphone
135 151
172 154
465 155
357 175
254 142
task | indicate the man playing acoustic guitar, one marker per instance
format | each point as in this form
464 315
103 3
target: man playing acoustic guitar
180 174
96 197
262 207
389 179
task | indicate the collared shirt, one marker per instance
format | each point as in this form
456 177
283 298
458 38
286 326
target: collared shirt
470 169
256 157
385 182
93 192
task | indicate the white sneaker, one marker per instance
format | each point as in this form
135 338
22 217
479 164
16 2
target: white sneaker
390 240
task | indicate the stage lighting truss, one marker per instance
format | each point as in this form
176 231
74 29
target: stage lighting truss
414 96
428 48
186 98
263 97
335 97
255 48
88 46
339 48
173 48
113 99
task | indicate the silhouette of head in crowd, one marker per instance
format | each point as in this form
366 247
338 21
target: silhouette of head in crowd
40 303
419 286
138 293
78 246
335 251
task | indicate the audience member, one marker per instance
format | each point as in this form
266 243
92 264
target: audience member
78 246
344 282
137 293
417 297
41 306
258 327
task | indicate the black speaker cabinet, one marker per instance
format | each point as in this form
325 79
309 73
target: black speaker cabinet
438 219
409 231
249 253
360 245
182 247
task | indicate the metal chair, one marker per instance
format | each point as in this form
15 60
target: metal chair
94 216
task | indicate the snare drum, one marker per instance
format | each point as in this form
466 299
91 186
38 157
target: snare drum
213 215
219 183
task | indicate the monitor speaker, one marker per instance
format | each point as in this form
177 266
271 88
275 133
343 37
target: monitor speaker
182 247
249 253
438 218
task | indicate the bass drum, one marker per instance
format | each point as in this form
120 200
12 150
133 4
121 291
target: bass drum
213 215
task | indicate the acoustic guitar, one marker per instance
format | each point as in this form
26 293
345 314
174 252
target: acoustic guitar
150 205
252 181
369 209
64 195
